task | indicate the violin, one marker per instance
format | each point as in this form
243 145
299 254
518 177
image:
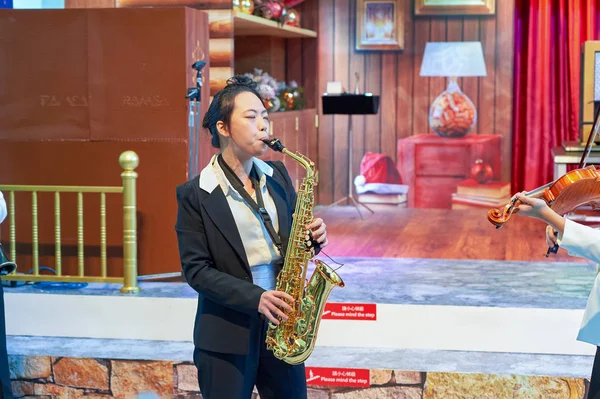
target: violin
574 189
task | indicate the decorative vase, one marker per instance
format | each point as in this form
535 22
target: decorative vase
482 172
452 113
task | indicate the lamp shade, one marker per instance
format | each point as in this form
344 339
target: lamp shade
453 59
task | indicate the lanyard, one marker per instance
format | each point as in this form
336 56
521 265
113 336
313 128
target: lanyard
258 207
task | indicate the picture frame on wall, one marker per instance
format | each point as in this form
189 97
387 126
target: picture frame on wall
589 97
455 7
379 25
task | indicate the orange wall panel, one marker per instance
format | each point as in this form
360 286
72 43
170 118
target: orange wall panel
97 164
111 80
43 75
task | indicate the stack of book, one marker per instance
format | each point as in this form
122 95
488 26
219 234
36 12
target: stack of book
380 193
470 194
387 199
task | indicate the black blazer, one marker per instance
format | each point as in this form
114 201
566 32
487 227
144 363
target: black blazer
215 264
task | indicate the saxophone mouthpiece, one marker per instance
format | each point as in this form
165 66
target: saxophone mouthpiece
274 144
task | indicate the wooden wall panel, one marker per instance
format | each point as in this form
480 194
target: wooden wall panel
220 23
357 65
439 27
220 18
487 94
50 98
504 81
387 138
293 60
90 3
159 137
420 96
261 52
470 86
156 209
341 30
406 96
405 86
326 123
200 5
310 53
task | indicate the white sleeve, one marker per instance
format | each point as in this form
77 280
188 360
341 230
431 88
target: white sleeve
2 208
581 241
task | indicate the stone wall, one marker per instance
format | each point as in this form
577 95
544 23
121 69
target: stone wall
72 378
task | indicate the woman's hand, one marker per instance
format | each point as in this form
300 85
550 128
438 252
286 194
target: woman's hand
551 237
318 231
532 207
273 303
537 208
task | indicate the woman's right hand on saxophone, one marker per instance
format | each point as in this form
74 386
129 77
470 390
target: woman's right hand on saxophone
273 303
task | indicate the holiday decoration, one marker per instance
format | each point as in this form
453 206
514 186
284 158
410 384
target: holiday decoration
277 96
481 172
293 18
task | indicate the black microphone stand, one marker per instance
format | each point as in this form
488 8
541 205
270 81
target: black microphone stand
194 95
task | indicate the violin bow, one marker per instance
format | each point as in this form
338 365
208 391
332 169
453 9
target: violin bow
591 139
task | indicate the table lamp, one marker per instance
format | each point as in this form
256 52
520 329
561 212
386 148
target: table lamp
452 113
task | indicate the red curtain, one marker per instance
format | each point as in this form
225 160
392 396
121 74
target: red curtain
548 39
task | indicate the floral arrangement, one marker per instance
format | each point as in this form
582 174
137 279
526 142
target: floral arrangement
277 96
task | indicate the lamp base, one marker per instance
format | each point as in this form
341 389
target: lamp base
452 113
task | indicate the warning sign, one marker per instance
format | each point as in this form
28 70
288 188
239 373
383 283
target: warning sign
350 311
338 377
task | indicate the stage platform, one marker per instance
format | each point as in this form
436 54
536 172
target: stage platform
441 329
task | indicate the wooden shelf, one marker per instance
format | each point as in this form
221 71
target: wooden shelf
251 25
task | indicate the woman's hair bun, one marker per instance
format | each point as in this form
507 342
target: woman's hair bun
242 80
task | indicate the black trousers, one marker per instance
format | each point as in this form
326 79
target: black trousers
594 391
6 392
227 376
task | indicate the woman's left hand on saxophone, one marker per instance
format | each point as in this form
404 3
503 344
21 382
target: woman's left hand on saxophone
319 232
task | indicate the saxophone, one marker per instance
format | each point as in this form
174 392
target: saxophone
293 340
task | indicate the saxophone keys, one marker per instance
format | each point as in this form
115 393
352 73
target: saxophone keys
308 239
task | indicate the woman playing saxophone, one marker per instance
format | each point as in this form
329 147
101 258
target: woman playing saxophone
233 224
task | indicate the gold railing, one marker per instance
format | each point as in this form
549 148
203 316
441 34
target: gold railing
128 161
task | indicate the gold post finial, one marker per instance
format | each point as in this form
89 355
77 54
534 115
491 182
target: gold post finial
129 160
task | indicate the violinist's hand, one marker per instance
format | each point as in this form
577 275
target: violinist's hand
551 238
538 209
533 207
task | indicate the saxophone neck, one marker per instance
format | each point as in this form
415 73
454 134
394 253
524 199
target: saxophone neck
275 145
302 160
